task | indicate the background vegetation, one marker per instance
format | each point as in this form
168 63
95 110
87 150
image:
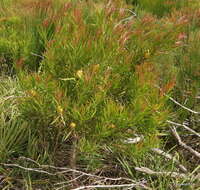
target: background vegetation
81 79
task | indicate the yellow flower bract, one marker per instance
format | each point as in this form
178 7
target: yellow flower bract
60 109
79 74
72 125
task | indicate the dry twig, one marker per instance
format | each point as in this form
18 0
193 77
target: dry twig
43 169
186 127
38 170
181 143
168 156
151 172
134 140
130 186
179 104
29 160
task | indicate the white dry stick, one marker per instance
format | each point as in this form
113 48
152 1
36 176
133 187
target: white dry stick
168 156
127 19
179 104
40 56
67 170
133 13
134 140
81 174
123 20
29 160
132 185
184 107
38 170
151 172
129 185
67 182
181 143
186 127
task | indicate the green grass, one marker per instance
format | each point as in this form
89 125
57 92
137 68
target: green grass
78 78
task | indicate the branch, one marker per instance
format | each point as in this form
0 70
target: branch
40 56
181 143
113 186
67 170
67 182
182 125
173 100
168 156
57 171
134 140
184 107
38 170
151 172
29 160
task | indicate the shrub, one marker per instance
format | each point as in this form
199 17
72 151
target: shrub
91 76
88 87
